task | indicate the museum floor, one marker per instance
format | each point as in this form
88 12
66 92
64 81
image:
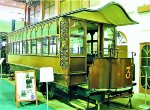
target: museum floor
7 101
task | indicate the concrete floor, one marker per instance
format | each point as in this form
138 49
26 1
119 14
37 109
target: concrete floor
60 102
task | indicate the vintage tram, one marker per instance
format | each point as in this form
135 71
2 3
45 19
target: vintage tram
79 45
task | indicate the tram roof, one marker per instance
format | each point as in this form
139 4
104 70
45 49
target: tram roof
111 13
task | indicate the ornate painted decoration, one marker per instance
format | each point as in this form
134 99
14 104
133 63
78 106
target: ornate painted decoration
64 39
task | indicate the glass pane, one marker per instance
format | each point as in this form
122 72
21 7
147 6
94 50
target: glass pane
148 50
107 46
88 36
144 62
58 45
28 47
108 32
148 62
144 53
15 47
76 45
34 46
95 48
10 48
45 46
89 48
109 42
77 27
20 47
95 36
24 47
52 45
39 46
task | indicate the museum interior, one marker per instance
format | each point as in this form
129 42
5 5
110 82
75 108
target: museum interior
74 55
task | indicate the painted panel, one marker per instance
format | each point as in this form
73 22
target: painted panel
35 61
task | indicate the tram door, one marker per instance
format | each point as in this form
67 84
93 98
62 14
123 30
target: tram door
77 49
100 39
92 43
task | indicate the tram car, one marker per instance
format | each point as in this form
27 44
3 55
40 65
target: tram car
80 46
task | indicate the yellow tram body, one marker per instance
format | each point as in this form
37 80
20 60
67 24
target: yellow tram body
72 43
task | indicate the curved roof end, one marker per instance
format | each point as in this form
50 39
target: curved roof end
111 13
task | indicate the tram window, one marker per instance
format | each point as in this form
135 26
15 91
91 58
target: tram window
24 51
45 46
89 48
15 47
77 27
10 48
28 47
34 45
107 46
108 32
17 51
88 36
58 45
39 46
20 47
95 48
52 45
76 45
109 39
53 28
77 37
92 44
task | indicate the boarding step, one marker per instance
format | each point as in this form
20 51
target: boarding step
78 77
81 104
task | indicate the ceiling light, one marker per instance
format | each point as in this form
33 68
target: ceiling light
2 1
